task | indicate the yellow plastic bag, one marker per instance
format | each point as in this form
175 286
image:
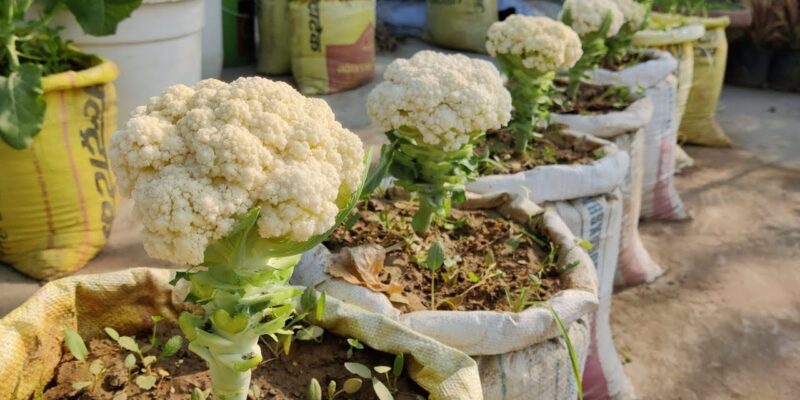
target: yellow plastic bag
333 44
460 25
274 56
33 333
58 196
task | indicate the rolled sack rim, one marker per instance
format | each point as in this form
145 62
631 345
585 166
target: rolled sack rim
104 72
645 74
612 124
677 35
561 181
482 332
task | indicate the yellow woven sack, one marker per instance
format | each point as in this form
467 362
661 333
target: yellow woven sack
679 42
699 124
273 47
460 25
332 44
33 333
58 196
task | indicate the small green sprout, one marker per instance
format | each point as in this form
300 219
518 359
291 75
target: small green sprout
354 344
350 386
434 262
384 391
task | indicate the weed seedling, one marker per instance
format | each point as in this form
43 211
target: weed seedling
384 391
354 345
350 386
434 262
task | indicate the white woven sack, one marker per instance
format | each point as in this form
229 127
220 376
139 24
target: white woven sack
625 128
562 182
522 352
660 200
591 218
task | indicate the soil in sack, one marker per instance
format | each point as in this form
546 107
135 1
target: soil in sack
630 59
591 99
279 377
490 262
498 156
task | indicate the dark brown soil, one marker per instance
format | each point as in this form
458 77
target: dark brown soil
479 244
553 148
628 60
279 377
591 99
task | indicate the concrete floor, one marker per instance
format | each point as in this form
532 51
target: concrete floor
724 321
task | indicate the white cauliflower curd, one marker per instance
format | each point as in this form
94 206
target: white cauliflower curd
447 98
633 13
542 44
587 16
197 157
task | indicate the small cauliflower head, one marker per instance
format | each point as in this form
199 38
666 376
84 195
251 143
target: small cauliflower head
541 44
633 12
196 158
587 16
448 99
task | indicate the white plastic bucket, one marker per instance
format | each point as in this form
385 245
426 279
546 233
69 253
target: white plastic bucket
212 40
158 46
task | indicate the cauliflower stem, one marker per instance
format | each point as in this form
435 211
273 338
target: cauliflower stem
437 176
594 49
530 97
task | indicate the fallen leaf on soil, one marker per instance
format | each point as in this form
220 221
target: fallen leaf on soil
362 265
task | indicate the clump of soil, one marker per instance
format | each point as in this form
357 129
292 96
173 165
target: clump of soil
591 99
486 255
553 148
279 377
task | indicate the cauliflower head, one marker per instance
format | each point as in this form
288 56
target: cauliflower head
196 158
634 13
587 16
542 44
446 98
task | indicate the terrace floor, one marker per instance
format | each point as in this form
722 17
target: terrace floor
724 321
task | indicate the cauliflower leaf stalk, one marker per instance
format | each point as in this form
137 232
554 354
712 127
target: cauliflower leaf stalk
437 176
530 50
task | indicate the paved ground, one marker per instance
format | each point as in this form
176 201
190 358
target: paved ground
724 322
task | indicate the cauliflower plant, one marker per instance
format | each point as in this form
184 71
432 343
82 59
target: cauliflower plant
433 107
541 44
587 16
634 13
446 98
530 50
196 158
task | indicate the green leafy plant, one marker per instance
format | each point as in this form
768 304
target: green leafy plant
30 49
353 344
530 98
350 386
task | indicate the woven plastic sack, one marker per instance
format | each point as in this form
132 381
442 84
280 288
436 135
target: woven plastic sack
601 215
625 129
699 124
33 333
460 25
660 199
58 197
274 55
518 354
332 44
678 41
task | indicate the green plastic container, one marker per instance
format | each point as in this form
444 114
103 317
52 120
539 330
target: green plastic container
238 32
